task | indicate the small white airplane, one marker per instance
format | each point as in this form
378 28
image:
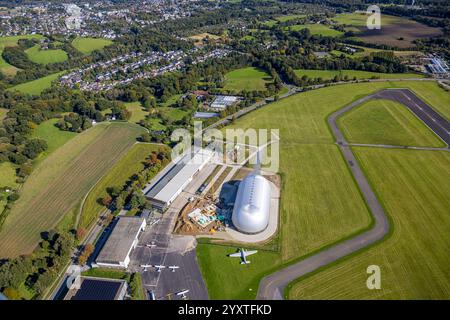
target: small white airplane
159 268
145 266
243 254
173 268
182 294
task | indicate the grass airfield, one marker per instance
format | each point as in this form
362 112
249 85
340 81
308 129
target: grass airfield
320 202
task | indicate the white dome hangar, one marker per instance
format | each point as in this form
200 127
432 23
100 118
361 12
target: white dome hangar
251 208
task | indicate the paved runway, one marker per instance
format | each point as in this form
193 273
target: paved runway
423 111
273 286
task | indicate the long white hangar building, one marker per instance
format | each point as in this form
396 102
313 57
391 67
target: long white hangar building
175 177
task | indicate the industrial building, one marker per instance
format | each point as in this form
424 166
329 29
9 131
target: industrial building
92 288
252 206
222 102
123 239
176 176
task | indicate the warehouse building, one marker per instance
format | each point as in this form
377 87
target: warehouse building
92 288
176 176
252 206
222 102
123 239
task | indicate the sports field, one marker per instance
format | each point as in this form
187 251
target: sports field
61 181
386 122
320 203
36 87
320 29
11 41
413 186
37 55
88 45
246 79
130 164
330 74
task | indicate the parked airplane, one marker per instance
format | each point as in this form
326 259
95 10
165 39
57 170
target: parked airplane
145 266
243 254
182 294
159 268
173 268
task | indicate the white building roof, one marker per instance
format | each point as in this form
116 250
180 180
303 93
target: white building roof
178 176
120 242
252 205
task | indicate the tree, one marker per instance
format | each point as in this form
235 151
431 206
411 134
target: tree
80 233
107 200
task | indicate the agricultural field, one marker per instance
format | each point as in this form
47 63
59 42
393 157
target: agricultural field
386 122
37 55
249 78
138 113
130 164
36 87
413 186
8 175
321 29
320 202
88 45
396 31
53 135
56 186
11 41
330 74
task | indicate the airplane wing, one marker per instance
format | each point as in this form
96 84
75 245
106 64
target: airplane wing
248 253
234 255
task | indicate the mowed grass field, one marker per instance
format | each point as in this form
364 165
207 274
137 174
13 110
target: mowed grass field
11 41
316 28
53 135
320 203
8 175
247 79
36 87
330 74
413 186
130 164
138 113
386 122
61 181
37 55
88 45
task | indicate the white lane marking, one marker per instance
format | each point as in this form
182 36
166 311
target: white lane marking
427 114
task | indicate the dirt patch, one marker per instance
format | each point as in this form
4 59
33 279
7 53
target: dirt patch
399 35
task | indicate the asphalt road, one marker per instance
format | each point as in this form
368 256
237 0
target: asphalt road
272 287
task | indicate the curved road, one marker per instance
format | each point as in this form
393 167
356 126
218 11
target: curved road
272 286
